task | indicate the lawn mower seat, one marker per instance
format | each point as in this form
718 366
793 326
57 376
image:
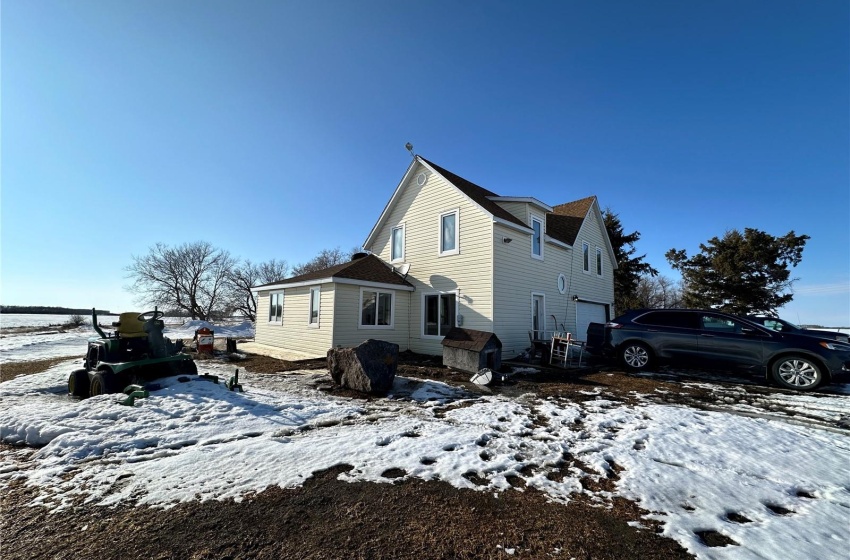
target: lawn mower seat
129 326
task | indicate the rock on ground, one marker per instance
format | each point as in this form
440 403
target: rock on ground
369 367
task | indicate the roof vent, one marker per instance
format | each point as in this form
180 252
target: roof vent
358 256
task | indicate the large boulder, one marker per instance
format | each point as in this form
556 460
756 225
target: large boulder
368 367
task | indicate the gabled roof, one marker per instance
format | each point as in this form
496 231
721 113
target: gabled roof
365 270
477 194
566 220
562 224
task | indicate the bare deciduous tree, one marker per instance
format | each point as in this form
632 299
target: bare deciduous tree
325 259
657 291
191 277
244 277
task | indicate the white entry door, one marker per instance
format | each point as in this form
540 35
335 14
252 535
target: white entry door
538 315
587 313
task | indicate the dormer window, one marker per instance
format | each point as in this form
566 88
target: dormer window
537 238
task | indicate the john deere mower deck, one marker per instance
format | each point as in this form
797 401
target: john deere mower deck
132 355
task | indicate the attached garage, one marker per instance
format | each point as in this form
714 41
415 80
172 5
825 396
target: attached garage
589 312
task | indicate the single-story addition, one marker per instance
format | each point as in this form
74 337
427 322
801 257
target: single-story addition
338 306
448 253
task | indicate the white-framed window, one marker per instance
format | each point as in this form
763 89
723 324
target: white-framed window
585 256
599 261
562 283
377 308
439 313
449 233
276 307
537 238
397 244
315 303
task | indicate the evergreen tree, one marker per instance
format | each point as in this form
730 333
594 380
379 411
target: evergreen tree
740 273
630 269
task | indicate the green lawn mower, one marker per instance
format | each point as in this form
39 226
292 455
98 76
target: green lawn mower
132 355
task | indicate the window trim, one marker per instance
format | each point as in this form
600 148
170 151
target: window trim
535 218
310 322
422 313
585 250
599 268
456 250
271 295
376 326
403 243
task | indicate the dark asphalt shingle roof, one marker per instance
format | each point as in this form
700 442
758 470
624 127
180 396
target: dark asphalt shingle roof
476 193
565 222
469 339
562 225
368 269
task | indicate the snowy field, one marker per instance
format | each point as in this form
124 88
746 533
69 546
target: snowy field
778 488
49 342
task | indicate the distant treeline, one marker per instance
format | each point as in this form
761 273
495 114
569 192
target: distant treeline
44 310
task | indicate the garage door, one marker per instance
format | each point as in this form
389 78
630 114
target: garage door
588 313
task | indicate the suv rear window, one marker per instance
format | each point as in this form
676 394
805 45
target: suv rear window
679 319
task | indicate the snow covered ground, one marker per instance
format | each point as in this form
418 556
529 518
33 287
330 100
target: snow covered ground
777 488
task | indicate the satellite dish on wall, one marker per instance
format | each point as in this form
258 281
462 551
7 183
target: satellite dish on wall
403 270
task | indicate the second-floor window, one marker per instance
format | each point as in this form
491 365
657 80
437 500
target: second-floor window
537 238
397 244
585 256
598 261
448 233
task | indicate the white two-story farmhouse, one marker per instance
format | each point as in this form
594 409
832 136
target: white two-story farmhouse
446 252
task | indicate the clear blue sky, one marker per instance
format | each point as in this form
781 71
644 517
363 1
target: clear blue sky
277 129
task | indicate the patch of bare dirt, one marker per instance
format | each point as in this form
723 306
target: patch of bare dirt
14 369
328 518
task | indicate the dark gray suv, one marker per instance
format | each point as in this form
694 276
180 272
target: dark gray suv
643 337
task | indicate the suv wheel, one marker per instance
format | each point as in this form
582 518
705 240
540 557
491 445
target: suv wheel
798 373
636 356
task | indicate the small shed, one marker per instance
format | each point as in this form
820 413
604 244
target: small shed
471 350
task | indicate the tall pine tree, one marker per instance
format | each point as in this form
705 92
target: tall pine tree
740 273
629 269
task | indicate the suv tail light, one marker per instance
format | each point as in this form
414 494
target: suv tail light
612 325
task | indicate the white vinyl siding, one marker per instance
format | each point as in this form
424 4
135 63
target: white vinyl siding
470 273
293 332
516 278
